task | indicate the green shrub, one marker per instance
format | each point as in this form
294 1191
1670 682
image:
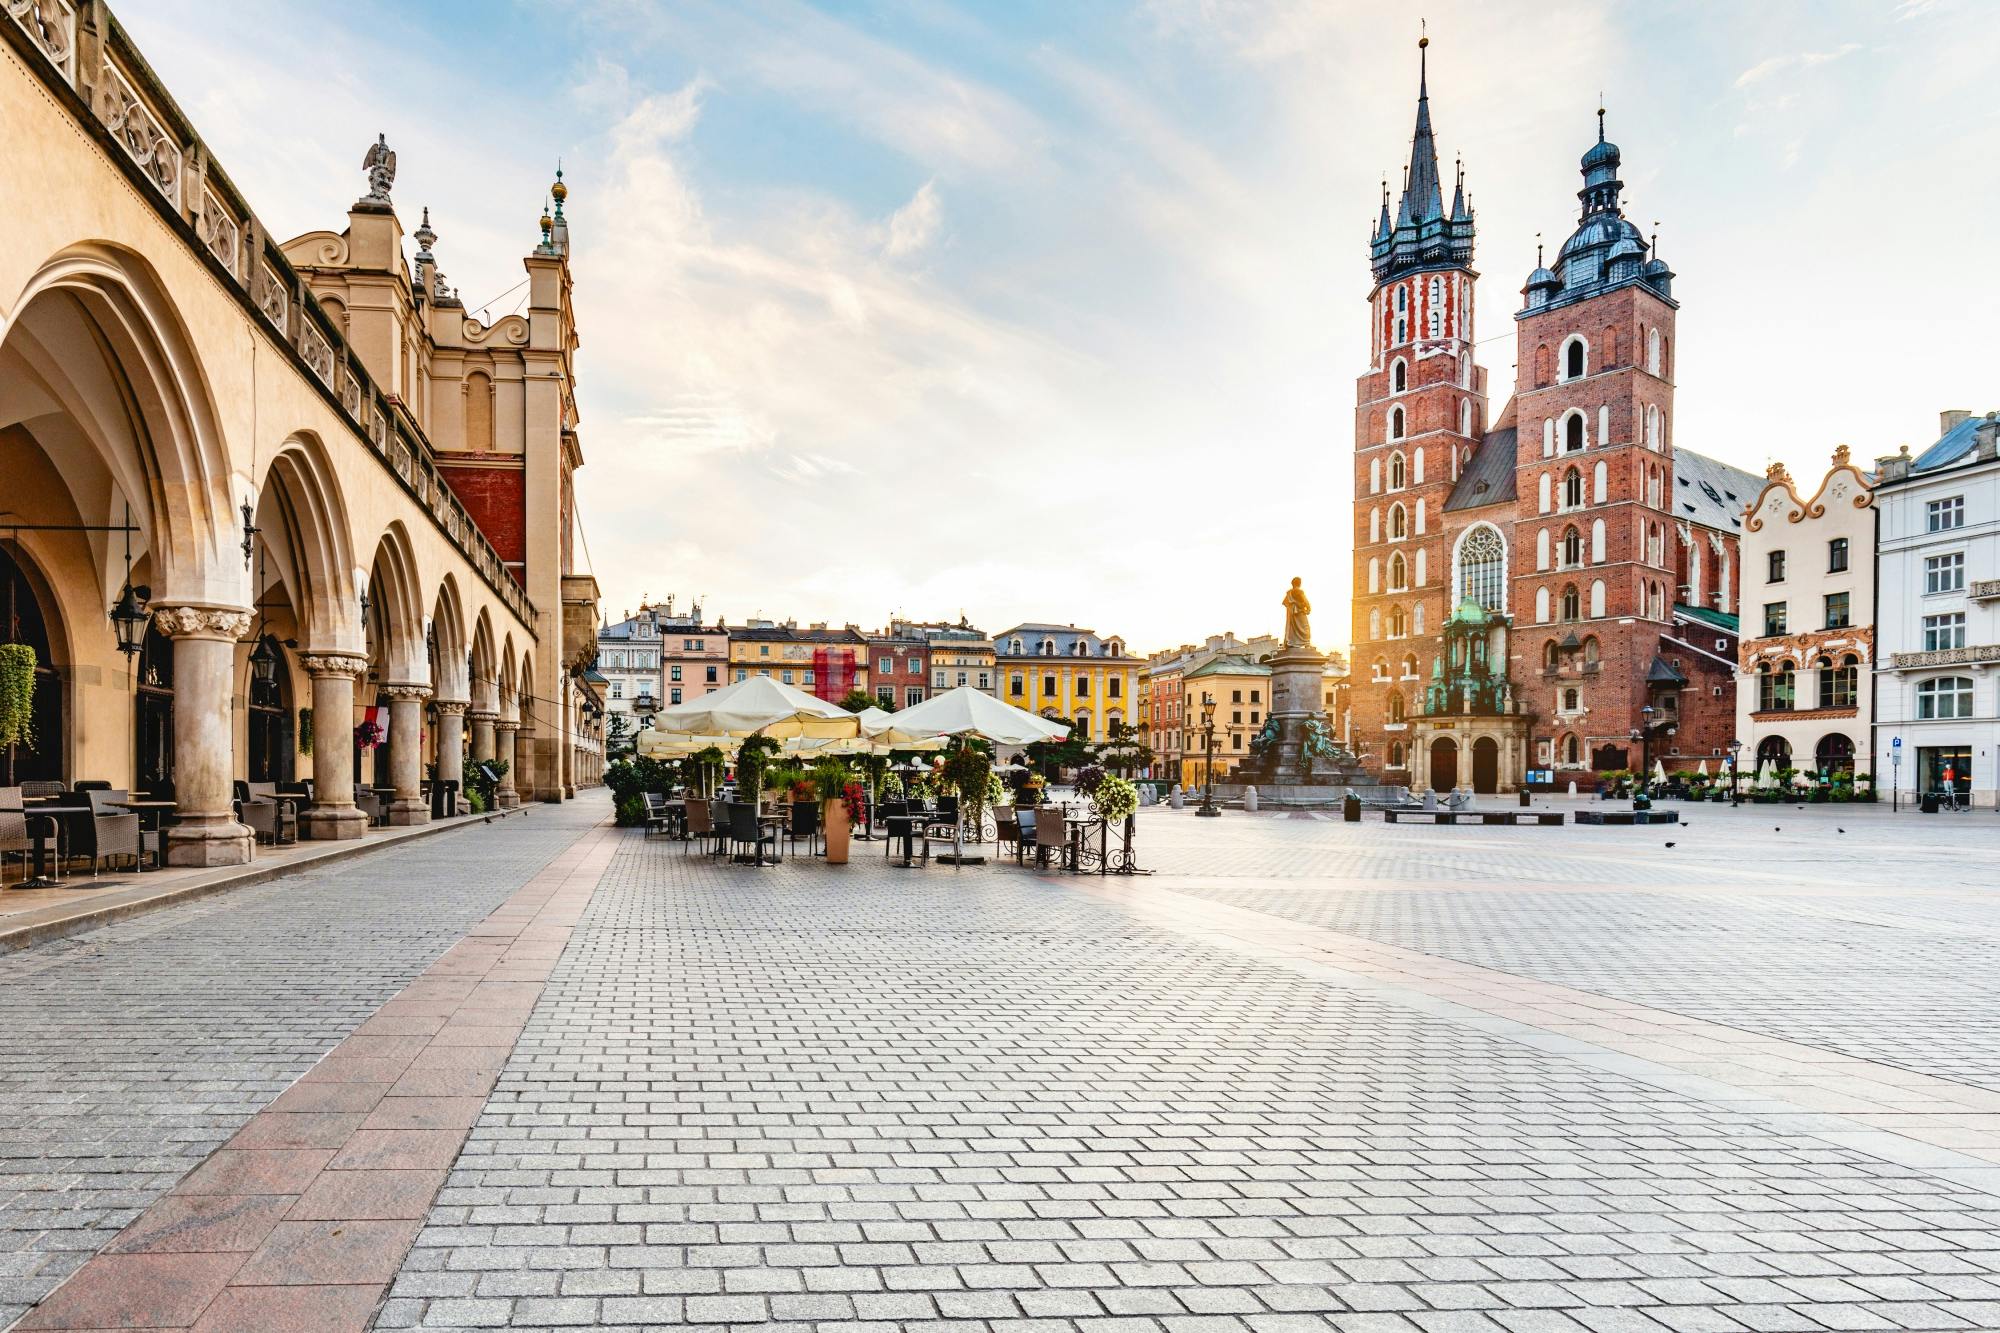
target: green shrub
630 811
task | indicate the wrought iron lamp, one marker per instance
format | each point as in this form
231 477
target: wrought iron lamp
1208 809
129 614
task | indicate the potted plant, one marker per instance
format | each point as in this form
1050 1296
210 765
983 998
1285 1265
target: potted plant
828 783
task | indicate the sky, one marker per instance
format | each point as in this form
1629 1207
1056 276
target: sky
1053 309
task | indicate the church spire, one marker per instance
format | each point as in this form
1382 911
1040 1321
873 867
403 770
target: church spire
1423 235
1423 196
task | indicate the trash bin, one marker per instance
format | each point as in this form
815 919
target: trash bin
1350 808
1525 802
444 799
1929 803
1641 801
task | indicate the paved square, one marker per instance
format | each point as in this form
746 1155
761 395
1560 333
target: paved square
1310 1075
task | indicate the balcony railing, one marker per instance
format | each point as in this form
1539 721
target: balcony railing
1985 652
1985 590
113 85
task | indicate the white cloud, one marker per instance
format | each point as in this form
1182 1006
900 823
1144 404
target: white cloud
1764 69
916 224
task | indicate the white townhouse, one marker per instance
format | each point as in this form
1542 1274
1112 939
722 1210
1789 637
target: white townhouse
1937 683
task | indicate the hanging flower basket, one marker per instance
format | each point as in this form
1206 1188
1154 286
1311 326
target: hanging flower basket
367 735
17 695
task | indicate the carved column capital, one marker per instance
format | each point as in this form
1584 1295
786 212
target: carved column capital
486 715
202 622
450 707
333 664
407 690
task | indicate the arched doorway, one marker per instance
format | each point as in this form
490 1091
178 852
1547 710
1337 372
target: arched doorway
22 620
1486 765
1774 750
1444 764
1835 754
270 721
153 718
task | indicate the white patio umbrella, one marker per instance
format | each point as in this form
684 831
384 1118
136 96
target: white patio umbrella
1659 771
758 706
1701 769
966 711
661 745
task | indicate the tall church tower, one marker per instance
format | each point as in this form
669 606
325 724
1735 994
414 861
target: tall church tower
1420 408
1594 555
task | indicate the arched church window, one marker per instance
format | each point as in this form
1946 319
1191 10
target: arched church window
1399 523
1573 489
1398 475
1572 603
1575 359
1572 552
1573 432
1399 376
1482 568
1396 423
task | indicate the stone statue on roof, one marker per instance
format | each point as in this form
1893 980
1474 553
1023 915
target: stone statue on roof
1298 628
380 164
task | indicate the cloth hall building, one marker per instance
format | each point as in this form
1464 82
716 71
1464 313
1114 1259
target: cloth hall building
1548 590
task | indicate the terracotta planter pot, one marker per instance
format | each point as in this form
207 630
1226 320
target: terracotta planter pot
835 813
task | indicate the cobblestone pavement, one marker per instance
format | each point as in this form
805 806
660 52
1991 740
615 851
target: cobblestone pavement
877 1099
1881 942
133 1051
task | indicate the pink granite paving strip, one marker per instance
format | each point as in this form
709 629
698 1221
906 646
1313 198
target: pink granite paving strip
302 1219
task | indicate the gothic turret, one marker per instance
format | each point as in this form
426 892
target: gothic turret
1423 236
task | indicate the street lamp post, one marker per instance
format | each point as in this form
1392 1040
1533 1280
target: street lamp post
1208 808
1646 746
1735 774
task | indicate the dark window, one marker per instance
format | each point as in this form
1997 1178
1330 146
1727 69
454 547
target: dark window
1573 432
1836 611
1777 566
1836 555
1774 618
1573 360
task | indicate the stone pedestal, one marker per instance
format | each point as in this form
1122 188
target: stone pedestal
333 814
406 753
206 832
505 795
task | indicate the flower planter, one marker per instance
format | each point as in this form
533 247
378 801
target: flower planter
834 814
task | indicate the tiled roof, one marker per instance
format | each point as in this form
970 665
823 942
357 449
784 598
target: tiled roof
1953 445
1489 478
1228 664
1711 493
1066 638
1720 619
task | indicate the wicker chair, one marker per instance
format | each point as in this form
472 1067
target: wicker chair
805 824
100 828
1051 835
1006 829
13 838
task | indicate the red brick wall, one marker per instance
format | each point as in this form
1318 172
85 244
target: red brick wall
1433 406
496 497
1613 395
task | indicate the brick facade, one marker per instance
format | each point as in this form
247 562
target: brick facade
1619 560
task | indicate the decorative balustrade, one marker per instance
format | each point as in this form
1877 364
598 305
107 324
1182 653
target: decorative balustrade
106 71
1982 652
51 26
1985 590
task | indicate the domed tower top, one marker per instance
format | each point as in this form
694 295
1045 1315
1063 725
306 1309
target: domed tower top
1606 250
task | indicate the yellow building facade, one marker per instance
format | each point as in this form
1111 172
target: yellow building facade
1063 671
1241 689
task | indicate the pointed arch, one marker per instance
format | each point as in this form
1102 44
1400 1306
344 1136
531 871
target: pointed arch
396 610
302 514
93 338
449 674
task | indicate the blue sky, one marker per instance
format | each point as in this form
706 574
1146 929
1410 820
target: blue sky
1054 311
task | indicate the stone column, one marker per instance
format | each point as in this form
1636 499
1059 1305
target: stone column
505 794
205 831
482 733
524 764
451 745
406 753
333 814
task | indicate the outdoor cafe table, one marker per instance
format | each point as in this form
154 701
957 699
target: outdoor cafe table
43 824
